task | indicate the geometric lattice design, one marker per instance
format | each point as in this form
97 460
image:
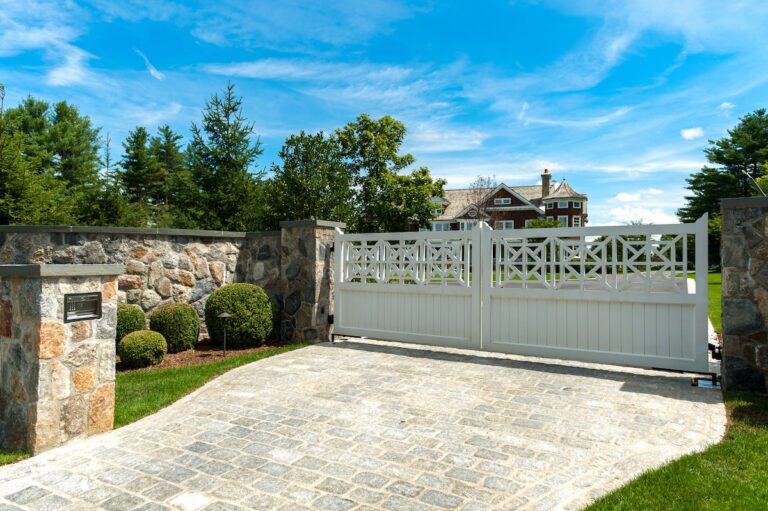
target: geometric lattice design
418 261
643 262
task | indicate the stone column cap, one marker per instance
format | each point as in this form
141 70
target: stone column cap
744 202
60 270
311 223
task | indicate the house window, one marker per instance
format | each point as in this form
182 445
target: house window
467 225
550 205
504 201
437 211
577 204
577 221
441 226
562 204
504 224
528 222
563 219
550 217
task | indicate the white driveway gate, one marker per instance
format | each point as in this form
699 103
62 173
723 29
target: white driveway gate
618 295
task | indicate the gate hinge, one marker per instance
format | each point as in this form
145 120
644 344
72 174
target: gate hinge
332 247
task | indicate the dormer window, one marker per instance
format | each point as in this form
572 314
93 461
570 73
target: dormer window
504 201
437 211
577 204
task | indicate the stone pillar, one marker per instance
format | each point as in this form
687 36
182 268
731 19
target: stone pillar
57 379
744 252
306 267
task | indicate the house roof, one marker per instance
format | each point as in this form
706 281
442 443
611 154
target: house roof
564 191
456 201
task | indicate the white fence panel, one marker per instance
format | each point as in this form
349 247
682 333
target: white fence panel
630 295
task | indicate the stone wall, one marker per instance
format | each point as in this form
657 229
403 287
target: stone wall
56 378
744 252
186 266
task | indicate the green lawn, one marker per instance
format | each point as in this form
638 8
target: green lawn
732 475
715 306
11 456
141 393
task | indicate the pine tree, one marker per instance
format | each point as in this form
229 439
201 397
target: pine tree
74 144
221 156
165 148
140 177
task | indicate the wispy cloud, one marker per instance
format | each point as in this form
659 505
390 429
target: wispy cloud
152 69
692 133
526 119
153 115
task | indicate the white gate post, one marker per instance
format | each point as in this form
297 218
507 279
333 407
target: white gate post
482 260
701 328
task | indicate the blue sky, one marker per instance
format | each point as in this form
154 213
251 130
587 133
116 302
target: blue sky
619 97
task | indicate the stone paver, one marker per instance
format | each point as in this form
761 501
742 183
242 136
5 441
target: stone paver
359 425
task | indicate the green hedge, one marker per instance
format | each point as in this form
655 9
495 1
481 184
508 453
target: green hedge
251 311
130 318
178 323
142 349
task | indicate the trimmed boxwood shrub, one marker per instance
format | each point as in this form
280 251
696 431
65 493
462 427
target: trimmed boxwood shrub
178 323
142 349
251 311
130 318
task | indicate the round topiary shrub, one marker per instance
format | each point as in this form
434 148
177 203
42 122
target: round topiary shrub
142 349
178 323
130 318
251 311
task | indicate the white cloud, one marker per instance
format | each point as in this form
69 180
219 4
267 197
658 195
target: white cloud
153 114
726 106
438 140
652 191
627 197
152 69
627 213
571 123
692 133
73 70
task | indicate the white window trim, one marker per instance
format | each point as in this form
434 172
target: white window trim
550 205
577 204
437 211
467 225
502 201
504 224
562 204
577 221
441 226
563 219
550 217
528 222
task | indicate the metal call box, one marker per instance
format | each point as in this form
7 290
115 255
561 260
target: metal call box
80 306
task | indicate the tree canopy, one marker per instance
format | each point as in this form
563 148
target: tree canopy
55 168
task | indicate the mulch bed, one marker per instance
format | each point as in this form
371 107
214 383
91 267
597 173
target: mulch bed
202 353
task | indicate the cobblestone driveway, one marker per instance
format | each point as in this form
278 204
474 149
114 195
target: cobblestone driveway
382 426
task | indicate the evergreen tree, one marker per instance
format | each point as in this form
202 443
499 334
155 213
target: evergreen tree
26 196
32 119
165 149
140 176
221 155
745 149
74 144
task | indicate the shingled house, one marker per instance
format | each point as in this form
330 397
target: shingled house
511 207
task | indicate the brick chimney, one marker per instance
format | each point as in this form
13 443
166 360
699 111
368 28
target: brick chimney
546 177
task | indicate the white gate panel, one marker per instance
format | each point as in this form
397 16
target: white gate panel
629 295
409 287
618 295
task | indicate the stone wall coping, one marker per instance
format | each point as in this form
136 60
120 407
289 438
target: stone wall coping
120 230
312 223
745 202
61 270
